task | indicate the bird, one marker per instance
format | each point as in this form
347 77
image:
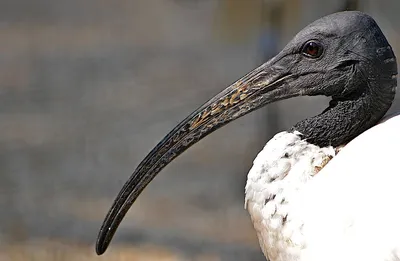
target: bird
328 188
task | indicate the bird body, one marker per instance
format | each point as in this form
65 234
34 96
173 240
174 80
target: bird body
305 209
280 171
327 188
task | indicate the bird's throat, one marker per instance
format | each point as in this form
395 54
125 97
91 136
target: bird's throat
343 120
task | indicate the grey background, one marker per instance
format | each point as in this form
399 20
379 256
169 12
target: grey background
87 88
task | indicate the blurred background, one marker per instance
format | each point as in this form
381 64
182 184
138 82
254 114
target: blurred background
87 88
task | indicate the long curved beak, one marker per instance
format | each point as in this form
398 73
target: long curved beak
266 84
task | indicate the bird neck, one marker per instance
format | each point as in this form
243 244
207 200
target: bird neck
347 117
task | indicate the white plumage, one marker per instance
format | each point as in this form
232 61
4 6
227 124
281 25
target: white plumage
279 173
348 210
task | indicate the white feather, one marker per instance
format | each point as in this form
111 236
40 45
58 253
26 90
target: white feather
348 211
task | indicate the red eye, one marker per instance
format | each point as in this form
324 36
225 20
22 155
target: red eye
312 49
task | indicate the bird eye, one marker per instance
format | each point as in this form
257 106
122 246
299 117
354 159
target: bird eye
312 49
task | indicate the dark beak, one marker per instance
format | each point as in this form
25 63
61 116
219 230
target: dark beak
266 84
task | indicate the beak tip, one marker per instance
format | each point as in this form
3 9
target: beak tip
100 249
101 245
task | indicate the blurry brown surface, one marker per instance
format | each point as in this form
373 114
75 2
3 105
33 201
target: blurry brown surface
50 250
89 87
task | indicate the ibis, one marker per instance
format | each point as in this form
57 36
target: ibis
328 188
